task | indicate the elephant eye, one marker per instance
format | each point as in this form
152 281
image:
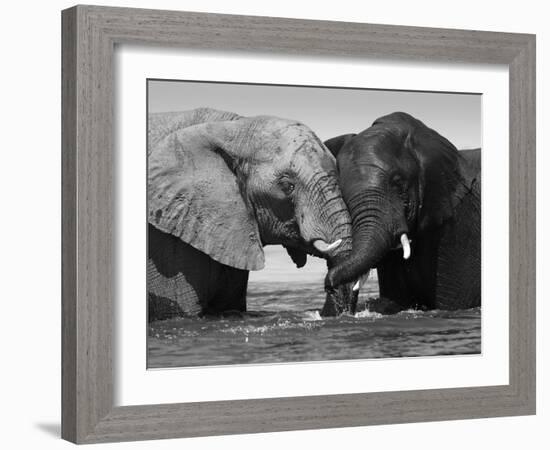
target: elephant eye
397 181
287 187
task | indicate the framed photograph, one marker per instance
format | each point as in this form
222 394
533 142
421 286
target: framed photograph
268 222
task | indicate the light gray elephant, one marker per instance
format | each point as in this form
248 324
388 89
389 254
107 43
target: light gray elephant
222 186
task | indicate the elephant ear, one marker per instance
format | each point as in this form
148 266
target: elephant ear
194 194
160 125
335 144
443 180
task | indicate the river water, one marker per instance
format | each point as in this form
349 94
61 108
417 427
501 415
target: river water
283 325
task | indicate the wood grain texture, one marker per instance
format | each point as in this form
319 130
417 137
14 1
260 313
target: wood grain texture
68 225
87 367
89 36
523 225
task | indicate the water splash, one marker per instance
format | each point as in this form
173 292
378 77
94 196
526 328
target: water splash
284 325
366 314
312 316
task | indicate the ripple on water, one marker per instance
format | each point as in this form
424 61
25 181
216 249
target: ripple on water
285 326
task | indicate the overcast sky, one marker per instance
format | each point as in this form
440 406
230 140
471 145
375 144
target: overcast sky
328 112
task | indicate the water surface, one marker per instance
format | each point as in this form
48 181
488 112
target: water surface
283 325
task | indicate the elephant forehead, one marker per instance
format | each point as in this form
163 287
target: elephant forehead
271 123
380 139
301 143
286 143
314 158
282 131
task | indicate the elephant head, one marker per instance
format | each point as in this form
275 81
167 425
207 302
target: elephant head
228 185
400 180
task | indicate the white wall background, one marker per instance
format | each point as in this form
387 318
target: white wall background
30 231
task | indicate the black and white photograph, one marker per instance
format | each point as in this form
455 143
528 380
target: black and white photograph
260 225
297 224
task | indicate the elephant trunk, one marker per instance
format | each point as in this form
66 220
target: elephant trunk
331 238
324 221
341 299
372 239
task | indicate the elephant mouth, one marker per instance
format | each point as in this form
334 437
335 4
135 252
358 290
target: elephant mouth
327 250
330 251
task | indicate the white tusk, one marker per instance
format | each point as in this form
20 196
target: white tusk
405 243
323 247
360 282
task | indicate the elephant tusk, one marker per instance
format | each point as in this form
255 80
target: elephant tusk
323 247
405 243
360 282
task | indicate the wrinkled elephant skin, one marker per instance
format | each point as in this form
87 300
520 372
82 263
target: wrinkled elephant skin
222 186
415 204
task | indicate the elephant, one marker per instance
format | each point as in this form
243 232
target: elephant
414 200
221 187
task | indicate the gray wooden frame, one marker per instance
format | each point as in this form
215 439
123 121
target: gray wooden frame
89 36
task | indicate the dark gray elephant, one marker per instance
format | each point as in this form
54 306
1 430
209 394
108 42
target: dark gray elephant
220 187
414 201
